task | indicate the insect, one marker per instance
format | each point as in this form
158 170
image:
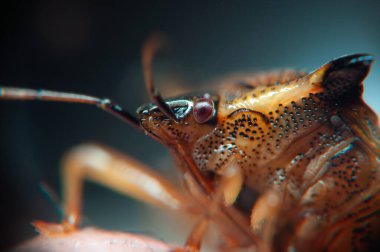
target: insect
283 161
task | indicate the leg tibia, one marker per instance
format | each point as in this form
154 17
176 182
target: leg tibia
117 172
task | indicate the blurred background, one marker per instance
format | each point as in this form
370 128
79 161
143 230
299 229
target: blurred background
94 47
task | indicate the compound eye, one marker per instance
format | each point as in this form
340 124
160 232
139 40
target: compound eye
203 109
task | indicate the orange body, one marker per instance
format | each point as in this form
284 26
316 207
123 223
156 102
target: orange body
307 150
283 161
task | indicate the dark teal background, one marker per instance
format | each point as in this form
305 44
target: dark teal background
93 47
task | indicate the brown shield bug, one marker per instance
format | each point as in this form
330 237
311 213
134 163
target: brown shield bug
282 161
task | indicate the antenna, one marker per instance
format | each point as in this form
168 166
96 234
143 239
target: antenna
10 93
150 48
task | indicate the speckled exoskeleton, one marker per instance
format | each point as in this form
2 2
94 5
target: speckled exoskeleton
280 161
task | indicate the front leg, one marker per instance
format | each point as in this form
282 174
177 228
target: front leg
115 171
226 192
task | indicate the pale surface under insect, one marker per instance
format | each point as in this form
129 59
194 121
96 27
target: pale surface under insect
94 240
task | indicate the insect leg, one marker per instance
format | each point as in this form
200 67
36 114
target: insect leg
265 215
225 195
115 171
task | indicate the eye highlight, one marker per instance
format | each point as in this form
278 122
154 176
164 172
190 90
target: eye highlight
203 109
